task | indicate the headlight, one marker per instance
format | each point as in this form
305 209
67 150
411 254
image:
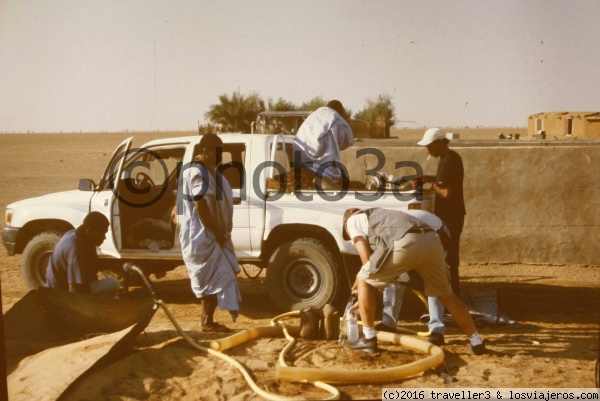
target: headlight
8 216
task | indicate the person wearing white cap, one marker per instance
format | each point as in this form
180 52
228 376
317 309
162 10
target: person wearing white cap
449 206
449 198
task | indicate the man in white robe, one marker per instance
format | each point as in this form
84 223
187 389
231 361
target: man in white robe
319 141
205 235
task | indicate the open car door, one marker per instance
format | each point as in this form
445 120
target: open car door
233 168
106 196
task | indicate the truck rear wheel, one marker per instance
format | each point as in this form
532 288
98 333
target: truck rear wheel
302 273
35 258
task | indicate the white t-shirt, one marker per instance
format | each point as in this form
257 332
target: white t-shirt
357 225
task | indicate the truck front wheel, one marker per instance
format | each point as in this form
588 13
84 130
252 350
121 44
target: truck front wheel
35 258
302 273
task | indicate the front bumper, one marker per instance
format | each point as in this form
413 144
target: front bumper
9 238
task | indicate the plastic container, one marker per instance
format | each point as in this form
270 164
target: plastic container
348 328
351 321
352 327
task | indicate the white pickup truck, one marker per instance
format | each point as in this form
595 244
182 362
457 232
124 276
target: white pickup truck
296 235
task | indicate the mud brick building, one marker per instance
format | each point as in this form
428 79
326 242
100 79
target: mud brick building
580 124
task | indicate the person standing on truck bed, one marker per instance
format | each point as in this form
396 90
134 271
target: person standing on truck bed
73 265
389 243
319 140
205 235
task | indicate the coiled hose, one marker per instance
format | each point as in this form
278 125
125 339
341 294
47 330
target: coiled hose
314 376
335 394
435 358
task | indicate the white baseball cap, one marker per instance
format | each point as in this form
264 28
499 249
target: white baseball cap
431 135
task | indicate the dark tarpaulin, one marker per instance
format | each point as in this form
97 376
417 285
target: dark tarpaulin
71 332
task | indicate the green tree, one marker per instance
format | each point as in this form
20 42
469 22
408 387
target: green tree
281 105
380 110
237 112
313 104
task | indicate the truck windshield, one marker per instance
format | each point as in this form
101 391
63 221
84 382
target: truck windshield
111 167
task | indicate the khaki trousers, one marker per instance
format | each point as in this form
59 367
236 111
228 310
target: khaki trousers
421 252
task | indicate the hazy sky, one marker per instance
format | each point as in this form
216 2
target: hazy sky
139 65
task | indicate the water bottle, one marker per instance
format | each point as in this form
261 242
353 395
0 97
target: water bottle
350 321
352 327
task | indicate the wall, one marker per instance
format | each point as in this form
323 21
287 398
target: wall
526 203
593 127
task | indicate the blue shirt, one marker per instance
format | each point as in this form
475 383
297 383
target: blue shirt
73 261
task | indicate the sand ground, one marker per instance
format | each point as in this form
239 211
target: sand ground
553 344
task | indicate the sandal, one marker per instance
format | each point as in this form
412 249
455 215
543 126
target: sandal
215 328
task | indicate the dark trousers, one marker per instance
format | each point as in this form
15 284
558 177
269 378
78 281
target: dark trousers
455 225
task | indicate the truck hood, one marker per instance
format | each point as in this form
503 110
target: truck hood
74 197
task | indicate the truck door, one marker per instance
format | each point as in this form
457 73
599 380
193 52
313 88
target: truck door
105 196
276 163
233 167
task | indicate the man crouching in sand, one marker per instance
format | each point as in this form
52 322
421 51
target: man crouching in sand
389 243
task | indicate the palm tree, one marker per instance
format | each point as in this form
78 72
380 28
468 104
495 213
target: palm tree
237 112
281 105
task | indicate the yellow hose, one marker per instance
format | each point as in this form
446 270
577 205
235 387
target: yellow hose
241 337
265 394
317 376
435 358
420 295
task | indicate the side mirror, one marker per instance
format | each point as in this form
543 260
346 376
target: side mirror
86 184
